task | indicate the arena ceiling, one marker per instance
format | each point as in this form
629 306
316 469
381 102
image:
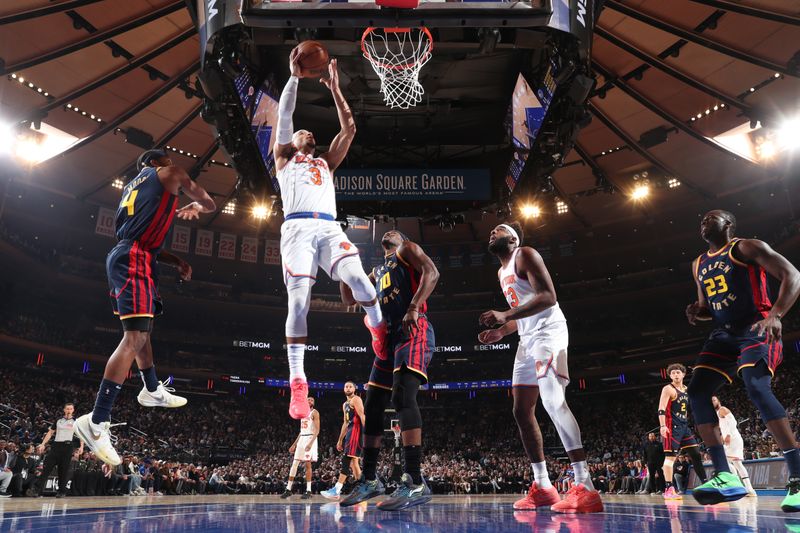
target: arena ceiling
670 77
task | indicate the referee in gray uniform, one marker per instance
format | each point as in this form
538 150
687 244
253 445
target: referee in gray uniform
60 451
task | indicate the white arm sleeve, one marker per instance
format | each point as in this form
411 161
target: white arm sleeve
286 110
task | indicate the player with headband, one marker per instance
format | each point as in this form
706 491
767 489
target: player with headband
540 368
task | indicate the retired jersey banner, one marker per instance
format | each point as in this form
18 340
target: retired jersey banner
249 250
105 222
181 235
205 240
227 246
413 184
272 252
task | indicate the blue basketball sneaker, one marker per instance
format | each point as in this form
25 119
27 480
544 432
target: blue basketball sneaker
407 495
331 493
363 491
723 487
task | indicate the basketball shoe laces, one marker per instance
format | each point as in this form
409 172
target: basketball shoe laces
793 486
111 437
717 481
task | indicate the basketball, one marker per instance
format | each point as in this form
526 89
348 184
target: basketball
313 59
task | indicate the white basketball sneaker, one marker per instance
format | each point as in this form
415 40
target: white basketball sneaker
162 397
97 437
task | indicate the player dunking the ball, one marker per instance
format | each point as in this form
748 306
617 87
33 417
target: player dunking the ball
404 282
350 443
734 443
310 235
677 436
540 368
143 219
732 291
304 448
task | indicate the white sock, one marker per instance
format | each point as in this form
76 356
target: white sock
295 352
338 487
540 475
582 474
308 486
374 315
289 485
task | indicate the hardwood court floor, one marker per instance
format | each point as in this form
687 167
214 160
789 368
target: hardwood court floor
446 514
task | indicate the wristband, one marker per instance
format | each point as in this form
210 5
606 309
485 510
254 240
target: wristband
662 412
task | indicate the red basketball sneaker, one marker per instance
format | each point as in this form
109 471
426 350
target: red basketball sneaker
298 405
579 500
379 336
537 498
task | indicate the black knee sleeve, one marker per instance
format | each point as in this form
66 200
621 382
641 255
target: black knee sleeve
404 399
703 386
758 382
374 407
345 465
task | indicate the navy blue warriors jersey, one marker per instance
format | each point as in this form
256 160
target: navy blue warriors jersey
736 293
352 439
396 283
145 211
678 408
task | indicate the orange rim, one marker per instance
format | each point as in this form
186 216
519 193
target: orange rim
403 66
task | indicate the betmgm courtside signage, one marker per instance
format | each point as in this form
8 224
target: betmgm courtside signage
412 184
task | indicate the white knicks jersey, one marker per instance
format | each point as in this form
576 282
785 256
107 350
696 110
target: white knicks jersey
518 292
307 424
728 426
307 186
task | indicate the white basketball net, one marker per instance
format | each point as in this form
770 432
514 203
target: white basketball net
397 55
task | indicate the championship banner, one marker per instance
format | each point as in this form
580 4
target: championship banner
227 246
181 235
249 252
272 252
205 241
413 184
105 222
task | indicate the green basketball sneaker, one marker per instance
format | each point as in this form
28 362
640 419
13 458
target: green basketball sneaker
791 503
723 487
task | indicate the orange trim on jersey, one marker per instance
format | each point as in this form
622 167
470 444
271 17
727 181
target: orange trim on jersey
733 258
288 271
717 370
727 245
400 257
124 317
373 384
420 372
696 265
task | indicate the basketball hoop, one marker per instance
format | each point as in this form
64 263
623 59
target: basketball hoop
397 55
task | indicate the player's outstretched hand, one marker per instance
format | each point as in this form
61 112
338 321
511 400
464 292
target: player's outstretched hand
490 336
294 63
493 318
771 326
292 448
339 446
332 81
308 446
190 211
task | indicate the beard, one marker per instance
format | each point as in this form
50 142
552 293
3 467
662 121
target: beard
500 244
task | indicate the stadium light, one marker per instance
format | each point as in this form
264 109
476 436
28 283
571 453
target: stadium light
530 210
117 183
260 212
561 207
673 183
230 208
640 192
